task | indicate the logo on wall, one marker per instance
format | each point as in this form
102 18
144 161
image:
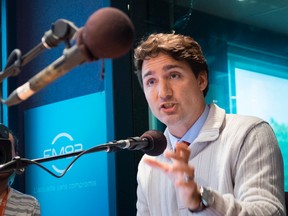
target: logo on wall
63 143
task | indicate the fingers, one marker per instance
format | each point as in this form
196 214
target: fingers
156 164
179 170
181 153
180 157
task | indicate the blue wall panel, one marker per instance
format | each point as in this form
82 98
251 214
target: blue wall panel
59 128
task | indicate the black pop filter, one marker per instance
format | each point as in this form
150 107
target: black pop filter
157 142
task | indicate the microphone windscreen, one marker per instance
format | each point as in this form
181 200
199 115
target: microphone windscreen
108 33
157 142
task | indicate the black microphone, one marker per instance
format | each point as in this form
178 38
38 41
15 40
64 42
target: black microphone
108 33
152 142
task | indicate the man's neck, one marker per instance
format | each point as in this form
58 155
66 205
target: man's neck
180 129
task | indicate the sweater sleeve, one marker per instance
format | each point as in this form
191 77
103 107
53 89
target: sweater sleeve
258 178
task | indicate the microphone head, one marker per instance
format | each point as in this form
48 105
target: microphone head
157 142
108 33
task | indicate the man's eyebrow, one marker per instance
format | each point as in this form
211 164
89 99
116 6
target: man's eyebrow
165 68
148 73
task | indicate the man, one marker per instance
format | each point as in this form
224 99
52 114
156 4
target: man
215 163
12 201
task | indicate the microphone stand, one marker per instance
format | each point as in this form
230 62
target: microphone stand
61 30
19 164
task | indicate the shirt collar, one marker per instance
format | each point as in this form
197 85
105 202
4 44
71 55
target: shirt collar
193 132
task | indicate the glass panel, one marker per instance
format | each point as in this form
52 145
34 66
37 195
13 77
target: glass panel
261 91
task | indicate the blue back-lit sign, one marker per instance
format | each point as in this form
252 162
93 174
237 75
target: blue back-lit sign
61 128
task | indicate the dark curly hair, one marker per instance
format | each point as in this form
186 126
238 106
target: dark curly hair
179 47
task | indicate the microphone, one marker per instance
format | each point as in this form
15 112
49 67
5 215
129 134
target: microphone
108 33
152 142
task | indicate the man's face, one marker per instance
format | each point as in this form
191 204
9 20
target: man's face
173 93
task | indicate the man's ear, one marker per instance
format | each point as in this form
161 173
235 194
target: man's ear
202 80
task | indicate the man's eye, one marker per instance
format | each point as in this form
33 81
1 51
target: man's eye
175 76
150 82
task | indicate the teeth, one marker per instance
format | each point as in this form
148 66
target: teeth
168 105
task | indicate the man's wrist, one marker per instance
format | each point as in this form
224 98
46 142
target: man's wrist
201 207
205 198
198 199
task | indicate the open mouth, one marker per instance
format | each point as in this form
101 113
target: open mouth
167 105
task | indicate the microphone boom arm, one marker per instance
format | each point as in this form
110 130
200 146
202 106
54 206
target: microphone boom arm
19 164
61 30
71 58
152 142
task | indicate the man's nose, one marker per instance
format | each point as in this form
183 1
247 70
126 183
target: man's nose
164 89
